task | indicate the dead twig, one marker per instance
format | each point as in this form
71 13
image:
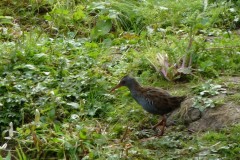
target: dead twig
124 135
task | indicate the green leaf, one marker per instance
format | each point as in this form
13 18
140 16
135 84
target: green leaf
83 134
52 113
102 28
26 66
61 11
48 17
40 55
79 14
185 70
6 20
37 116
73 105
8 156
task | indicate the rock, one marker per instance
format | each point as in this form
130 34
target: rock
217 118
186 114
211 118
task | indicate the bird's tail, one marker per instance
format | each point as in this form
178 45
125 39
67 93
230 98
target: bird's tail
180 99
176 101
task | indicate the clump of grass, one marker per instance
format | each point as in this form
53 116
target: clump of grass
62 58
235 98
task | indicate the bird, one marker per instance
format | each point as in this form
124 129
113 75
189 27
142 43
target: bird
154 100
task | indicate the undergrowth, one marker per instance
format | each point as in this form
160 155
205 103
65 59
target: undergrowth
59 60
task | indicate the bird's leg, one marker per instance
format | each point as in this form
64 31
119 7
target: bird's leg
159 123
163 124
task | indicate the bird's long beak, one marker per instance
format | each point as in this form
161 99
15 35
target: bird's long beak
117 86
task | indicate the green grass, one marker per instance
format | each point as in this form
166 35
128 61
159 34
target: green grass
63 57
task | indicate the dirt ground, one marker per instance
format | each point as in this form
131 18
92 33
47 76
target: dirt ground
225 114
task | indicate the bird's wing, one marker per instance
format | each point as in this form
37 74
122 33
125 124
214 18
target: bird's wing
158 98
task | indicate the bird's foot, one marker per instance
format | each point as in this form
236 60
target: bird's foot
160 130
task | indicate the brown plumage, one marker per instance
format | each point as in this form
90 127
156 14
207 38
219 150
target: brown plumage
153 100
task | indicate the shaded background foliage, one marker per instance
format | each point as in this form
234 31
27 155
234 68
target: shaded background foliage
62 57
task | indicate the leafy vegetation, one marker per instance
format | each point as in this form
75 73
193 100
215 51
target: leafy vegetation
204 92
59 60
